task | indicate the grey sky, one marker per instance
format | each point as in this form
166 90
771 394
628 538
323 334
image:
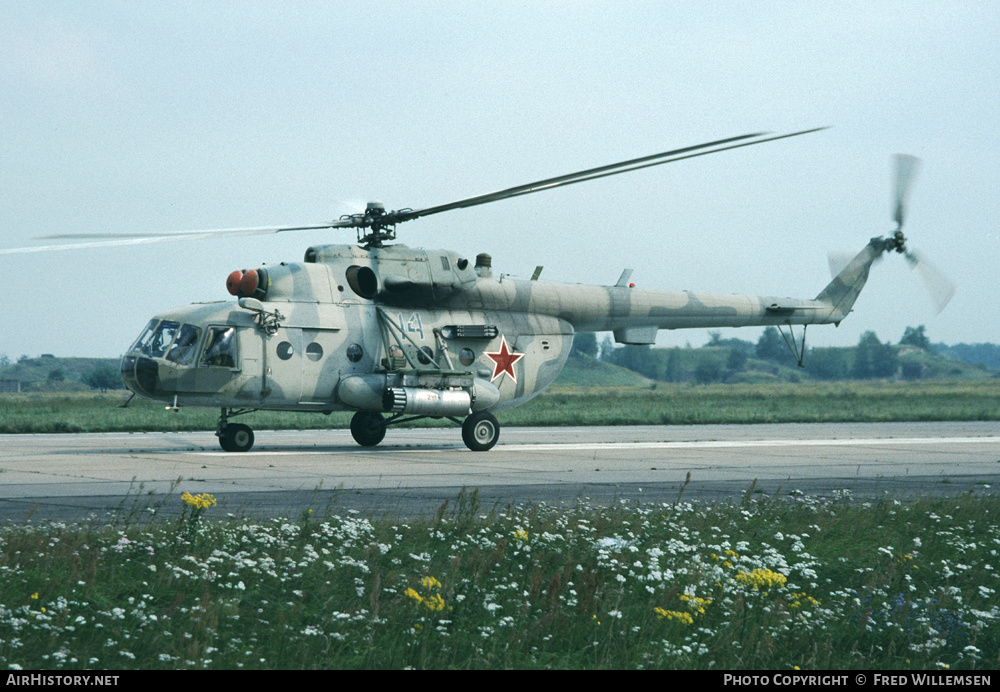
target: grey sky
159 117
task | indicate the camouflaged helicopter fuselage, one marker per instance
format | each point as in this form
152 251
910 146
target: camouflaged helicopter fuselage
335 331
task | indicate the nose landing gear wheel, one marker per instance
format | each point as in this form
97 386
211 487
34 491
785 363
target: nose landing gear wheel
236 437
480 431
367 428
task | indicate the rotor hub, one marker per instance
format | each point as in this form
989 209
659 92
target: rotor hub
896 242
375 226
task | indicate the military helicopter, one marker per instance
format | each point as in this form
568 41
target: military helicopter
395 333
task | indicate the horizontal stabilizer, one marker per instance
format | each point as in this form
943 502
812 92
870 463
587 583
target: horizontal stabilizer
636 336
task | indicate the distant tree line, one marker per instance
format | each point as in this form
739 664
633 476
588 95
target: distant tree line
724 360
48 373
986 355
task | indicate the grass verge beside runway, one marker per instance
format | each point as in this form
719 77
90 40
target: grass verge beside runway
764 584
662 405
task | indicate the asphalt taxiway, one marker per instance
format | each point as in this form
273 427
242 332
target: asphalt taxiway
71 476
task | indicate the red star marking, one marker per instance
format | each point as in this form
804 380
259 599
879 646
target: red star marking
504 360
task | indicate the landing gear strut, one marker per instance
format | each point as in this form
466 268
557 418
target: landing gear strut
233 437
480 431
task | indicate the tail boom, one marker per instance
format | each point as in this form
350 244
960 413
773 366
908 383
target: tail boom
634 315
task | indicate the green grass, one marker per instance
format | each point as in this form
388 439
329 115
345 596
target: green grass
772 584
662 404
766 403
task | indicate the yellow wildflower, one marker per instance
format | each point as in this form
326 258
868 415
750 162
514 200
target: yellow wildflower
695 603
521 535
674 615
435 602
761 579
200 501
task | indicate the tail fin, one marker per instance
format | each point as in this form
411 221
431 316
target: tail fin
841 293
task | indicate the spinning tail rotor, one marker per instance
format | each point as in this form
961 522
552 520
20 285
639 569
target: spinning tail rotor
939 288
906 171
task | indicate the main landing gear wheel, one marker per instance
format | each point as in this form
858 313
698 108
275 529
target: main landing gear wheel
480 431
367 428
236 437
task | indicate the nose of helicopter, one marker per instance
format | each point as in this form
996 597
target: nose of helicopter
141 375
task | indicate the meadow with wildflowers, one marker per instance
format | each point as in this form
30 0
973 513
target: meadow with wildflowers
767 583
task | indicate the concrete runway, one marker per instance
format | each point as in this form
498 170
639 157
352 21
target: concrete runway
68 477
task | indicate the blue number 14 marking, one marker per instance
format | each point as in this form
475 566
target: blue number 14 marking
413 325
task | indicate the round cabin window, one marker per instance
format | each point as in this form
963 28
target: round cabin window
466 357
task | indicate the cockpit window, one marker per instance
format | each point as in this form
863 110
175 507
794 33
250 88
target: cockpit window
185 345
144 337
220 350
154 342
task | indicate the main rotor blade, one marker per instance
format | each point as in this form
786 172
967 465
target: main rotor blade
598 172
383 220
116 240
669 160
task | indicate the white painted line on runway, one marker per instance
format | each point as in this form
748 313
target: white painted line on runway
257 451
740 444
598 446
